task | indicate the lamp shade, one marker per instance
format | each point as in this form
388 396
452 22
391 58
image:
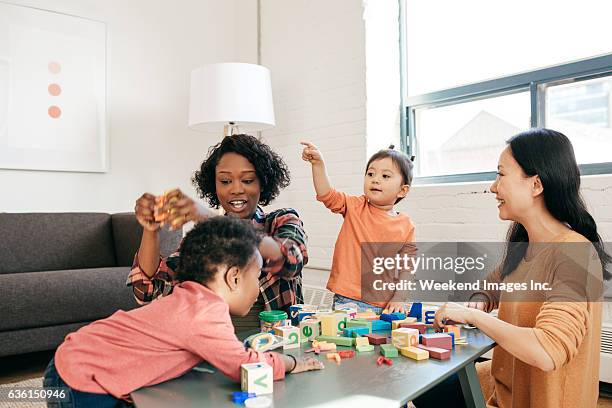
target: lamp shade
231 92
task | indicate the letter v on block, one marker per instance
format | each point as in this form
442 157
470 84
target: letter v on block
261 381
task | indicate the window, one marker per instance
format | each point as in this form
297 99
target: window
551 67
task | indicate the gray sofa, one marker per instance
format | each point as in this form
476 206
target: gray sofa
60 271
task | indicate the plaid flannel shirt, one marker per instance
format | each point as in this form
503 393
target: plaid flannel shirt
280 282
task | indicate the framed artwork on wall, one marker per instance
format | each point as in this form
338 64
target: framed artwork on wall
52 91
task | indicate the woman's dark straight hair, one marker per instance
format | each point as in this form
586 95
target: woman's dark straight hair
550 155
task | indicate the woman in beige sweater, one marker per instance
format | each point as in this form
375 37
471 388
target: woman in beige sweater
548 354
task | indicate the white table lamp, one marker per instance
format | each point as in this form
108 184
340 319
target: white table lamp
231 97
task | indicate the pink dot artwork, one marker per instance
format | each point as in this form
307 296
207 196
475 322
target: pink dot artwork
55 67
54 89
55 112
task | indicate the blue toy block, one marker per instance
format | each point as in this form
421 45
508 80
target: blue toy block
416 311
355 331
389 317
380 325
429 316
452 337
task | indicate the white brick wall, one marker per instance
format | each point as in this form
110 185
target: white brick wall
316 50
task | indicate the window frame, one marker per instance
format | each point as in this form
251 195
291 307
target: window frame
536 82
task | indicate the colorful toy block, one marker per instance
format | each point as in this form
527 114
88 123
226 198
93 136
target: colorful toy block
389 317
290 334
350 311
361 341
309 329
334 356
346 353
440 340
388 350
419 326
383 360
340 341
360 323
355 331
405 337
453 329
323 346
257 378
435 352
416 311
365 348
380 325
341 318
428 316
396 324
329 326
414 353
376 338
369 315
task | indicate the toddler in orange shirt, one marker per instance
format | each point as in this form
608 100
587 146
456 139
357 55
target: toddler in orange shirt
368 218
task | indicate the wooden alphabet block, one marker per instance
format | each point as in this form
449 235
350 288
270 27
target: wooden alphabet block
257 378
290 334
405 337
309 329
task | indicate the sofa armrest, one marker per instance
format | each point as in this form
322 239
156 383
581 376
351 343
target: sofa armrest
127 233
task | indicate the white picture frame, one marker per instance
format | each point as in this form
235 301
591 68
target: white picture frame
52 91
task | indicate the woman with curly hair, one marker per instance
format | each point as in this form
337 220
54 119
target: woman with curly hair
240 174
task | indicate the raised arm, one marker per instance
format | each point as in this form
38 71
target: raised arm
320 178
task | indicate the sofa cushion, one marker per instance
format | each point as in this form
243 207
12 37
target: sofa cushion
55 241
127 233
39 299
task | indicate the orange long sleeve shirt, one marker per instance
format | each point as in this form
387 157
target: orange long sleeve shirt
362 223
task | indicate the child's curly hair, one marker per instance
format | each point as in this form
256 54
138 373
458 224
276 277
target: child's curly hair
219 241
401 160
271 169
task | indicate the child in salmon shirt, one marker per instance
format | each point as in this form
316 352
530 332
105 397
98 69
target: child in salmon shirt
218 271
367 218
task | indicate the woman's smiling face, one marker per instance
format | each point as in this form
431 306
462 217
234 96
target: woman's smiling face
237 185
513 189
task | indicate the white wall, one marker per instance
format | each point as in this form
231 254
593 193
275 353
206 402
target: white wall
318 52
152 47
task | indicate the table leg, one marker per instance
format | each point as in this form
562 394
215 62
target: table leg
471 387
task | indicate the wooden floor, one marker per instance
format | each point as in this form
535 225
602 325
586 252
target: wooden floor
32 365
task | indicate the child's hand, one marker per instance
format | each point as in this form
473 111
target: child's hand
311 153
399 307
307 364
144 210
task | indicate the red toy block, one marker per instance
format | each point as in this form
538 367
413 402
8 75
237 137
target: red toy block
439 340
347 353
376 338
435 352
380 360
419 326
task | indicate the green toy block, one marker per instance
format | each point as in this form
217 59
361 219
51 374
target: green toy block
338 340
365 348
388 350
360 323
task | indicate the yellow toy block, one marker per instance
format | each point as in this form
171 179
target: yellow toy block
290 334
329 326
361 341
405 337
323 345
414 353
395 324
366 315
453 329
